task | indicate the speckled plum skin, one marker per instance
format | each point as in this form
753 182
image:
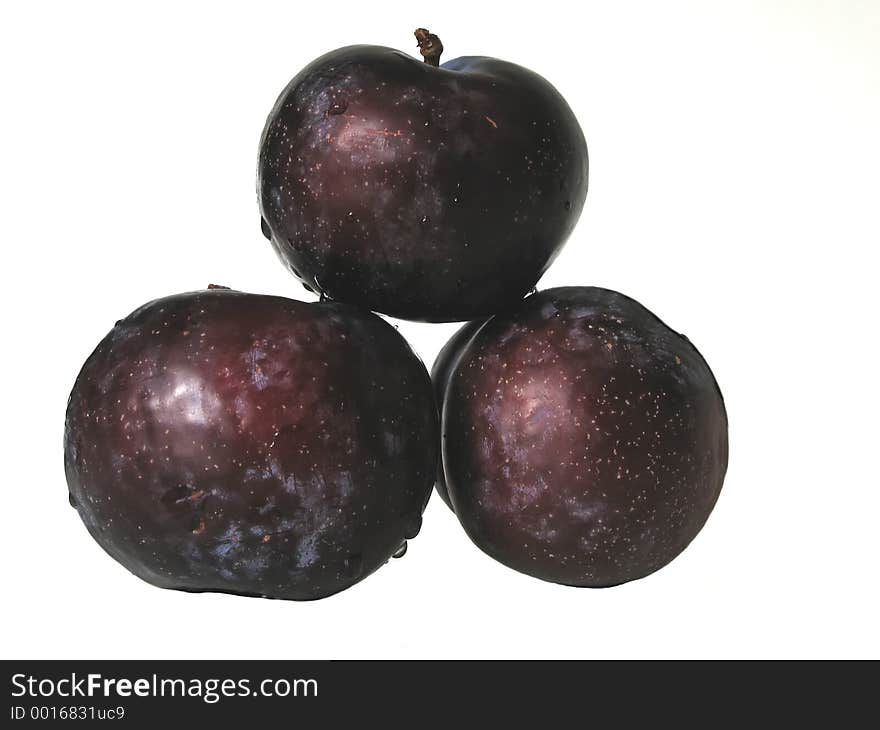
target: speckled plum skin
427 193
222 441
446 359
584 442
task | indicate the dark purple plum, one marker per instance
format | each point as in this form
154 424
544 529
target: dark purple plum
223 441
428 192
444 363
584 442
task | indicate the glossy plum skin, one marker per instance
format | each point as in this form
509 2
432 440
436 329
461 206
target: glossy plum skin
427 193
446 359
222 441
584 442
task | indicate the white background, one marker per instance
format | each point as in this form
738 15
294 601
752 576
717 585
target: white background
734 190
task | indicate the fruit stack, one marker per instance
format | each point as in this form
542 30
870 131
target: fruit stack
223 441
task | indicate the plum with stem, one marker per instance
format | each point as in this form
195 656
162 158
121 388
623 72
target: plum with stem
426 191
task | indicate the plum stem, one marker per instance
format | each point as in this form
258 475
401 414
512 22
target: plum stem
429 46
